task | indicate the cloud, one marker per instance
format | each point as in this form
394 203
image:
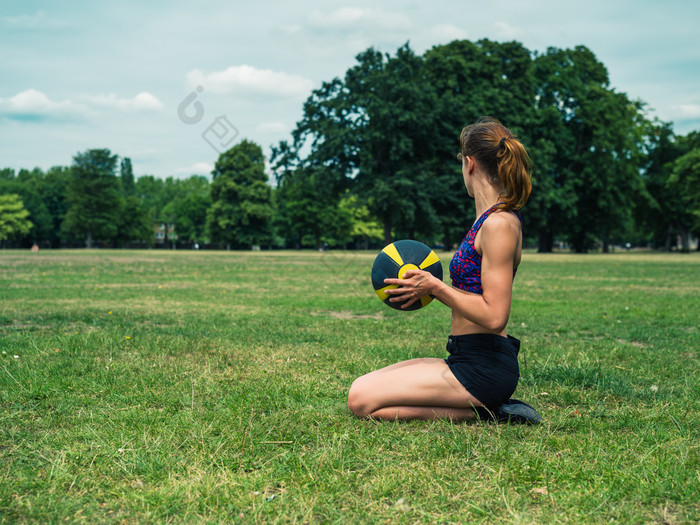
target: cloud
251 80
198 168
689 111
144 101
32 104
444 33
354 17
504 31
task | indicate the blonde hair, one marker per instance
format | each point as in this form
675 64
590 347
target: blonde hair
502 156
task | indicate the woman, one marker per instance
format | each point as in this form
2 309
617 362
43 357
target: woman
482 371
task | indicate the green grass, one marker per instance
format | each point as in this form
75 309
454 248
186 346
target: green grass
154 386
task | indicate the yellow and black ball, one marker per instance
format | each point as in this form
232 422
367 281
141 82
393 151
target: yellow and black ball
395 260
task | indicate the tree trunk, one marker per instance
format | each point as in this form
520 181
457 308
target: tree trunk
669 233
387 232
88 241
546 242
606 243
685 238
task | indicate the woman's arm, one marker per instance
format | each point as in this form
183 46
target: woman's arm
499 241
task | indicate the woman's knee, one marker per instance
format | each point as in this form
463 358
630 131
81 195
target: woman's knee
359 399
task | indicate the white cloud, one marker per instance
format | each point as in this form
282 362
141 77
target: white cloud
250 80
32 104
144 101
689 111
504 31
353 17
444 33
198 168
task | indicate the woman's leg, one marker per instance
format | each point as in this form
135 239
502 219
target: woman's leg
416 389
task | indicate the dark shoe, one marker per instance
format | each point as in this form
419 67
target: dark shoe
512 411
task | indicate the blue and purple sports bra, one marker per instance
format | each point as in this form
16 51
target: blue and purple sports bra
465 267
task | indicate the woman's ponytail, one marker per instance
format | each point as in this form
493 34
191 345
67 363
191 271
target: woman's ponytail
514 171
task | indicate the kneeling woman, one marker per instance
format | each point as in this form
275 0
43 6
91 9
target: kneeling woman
482 371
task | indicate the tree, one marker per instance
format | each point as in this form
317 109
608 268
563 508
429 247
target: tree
188 208
588 143
13 217
472 80
685 182
127 177
241 208
366 230
372 132
311 211
94 197
134 223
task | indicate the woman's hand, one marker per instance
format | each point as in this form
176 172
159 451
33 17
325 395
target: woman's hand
413 285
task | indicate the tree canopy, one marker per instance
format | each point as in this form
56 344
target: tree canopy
13 217
241 201
372 158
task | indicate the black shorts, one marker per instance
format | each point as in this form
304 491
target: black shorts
486 364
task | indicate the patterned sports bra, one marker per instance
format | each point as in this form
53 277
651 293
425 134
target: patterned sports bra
465 267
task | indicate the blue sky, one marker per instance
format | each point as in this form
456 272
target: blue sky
83 74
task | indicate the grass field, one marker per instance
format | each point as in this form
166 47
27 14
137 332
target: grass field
156 386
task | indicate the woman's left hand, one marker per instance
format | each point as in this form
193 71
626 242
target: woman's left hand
414 285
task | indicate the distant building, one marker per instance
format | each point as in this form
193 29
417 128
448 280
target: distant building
164 233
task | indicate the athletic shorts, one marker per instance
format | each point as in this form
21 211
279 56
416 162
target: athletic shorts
486 364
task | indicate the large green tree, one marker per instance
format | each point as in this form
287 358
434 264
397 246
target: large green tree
685 183
94 196
241 211
372 131
473 79
14 220
588 143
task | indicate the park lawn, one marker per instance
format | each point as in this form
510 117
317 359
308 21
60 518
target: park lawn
164 386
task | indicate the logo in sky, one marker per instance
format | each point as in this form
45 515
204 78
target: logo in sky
220 134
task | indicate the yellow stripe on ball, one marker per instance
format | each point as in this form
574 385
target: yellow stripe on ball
432 258
381 293
392 252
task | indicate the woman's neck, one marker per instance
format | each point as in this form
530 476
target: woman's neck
485 196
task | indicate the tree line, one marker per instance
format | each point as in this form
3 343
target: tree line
373 158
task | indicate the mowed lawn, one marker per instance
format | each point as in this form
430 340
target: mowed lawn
180 387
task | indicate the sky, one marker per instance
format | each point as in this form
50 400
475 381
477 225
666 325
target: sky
171 84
